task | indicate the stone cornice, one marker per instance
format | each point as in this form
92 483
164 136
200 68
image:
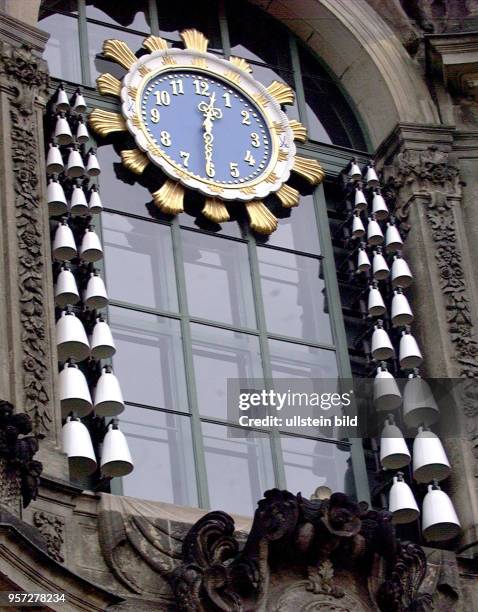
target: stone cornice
16 33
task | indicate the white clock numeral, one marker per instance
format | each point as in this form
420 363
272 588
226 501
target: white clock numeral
249 159
165 138
255 141
155 115
210 169
177 86
201 87
162 98
245 118
185 157
234 167
227 98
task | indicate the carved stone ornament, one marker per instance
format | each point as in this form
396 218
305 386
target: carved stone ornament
51 528
26 78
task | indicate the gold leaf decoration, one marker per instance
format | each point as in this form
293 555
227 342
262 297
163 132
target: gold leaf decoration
144 70
119 52
155 43
132 91
135 160
260 99
215 211
170 197
103 122
248 190
168 60
232 76
299 130
216 188
241 64
107 84
278 127
261 218
288 196
310 169
136 121
200 62
194 40
272 178
281 92
282 155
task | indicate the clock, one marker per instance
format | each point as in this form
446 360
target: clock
208 125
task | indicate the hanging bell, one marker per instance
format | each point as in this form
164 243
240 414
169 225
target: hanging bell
439 519
64 247
115 456
102 343
401 502
75 167
410 355
54 161
363 261
394 453
62 130
401 274
91 249
74 393
78 448
66 291
92 165
429 458
79 104
393 240
419 405
82 135
401 312
374 232
360 203
379 206
62 103
108 397
376 305
71 339
358 230
56 198
386 394
95 296
371 177
78 204
382 348
380 267
354 172
95 205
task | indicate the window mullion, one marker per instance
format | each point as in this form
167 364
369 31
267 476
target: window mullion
153 17
84 47
224 29
298 82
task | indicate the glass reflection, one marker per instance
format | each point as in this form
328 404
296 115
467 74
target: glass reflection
120 12
289 360
62 50
299 231
181 15
97 34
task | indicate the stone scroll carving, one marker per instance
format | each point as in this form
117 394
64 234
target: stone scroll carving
52 529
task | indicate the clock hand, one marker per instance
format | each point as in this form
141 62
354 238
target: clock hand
211 113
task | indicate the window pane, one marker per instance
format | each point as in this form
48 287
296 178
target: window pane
294 295
120 12
149 359
289 360
139 262
220 354
97 34
181 15
62 50
161 448
218 279
238 470
310 464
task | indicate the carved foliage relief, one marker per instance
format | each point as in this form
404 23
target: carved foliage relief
51 527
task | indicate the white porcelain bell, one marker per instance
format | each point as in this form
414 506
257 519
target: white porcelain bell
371 177
439 519
95 296
379 206
393 240
82 135
66 291
79 104
61 102
74 393
71 339
401 274
401 502
95 205
419 405
379 266
394 453
382 348
78 448
358 229
91 249
54 161
401 312
363 261
354 172
92 165
386 394
75 167
108 397
102 343
115 456
429 458
56 198
78 203
410 355
376 305
63 133
360 203
64 247
374 232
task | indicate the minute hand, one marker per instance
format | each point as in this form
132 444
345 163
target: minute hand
211 113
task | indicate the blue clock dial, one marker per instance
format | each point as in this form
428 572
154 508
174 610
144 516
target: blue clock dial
207 127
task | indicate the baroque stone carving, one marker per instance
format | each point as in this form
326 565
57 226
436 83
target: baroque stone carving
51 528
27 78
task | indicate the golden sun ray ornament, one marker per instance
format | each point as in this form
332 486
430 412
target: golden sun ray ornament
208 125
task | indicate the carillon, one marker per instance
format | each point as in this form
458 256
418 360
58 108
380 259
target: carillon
95 296
64 246
95 205
74 392
92 165
115 455
382 347
75 166
358 229
61 101
54 160
56 198
360 203
439 520
401 502
71 338
82 135
78 203
376 305
380 267
108 396
394 453
91 249
379 206
78 448
363 261
386 394
79 104
66 291
374 232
